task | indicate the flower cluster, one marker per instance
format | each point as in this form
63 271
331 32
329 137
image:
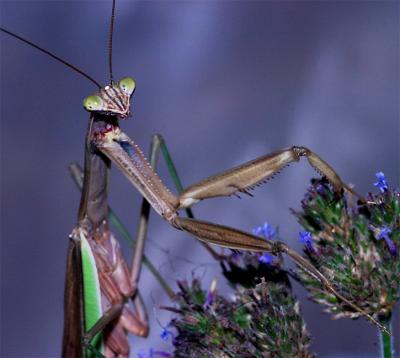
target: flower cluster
354 247
263 321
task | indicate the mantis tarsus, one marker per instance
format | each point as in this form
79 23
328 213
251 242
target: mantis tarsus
188 227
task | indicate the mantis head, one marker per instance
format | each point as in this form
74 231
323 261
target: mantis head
113 99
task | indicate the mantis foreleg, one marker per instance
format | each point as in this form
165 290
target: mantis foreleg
244 177
77 175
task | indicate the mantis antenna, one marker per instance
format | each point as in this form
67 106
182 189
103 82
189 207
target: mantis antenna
52 55
68 64
110 42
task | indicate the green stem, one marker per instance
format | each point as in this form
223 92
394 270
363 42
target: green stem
159 141
385 339
173 172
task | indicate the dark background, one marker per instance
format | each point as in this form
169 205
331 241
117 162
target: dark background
224 82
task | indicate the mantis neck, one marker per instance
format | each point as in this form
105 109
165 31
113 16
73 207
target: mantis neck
93 209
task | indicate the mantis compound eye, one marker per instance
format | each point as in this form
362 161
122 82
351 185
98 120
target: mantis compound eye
93 103
127 84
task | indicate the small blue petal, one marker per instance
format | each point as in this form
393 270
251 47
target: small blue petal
257 230
392 246
210 294
320 189
266 259
209 299
269 231
266 230
165 334
306 239
381 184
383 233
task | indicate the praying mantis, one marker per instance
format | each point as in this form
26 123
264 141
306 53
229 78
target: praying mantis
69 155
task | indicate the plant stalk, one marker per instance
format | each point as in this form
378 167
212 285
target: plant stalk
386 341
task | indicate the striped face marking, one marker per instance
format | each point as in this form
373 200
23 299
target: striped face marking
113 99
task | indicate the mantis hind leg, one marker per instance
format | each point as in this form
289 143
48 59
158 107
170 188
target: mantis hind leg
232 238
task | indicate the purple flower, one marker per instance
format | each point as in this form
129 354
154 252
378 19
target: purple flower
266 230
382 184
209 299
165 334
383 233
306 239
266 259
210 294
320 189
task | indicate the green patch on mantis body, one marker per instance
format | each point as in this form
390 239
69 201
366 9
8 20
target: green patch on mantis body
91 295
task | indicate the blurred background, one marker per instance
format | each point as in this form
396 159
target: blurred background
223 82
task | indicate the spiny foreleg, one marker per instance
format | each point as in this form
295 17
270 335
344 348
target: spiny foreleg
250 174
